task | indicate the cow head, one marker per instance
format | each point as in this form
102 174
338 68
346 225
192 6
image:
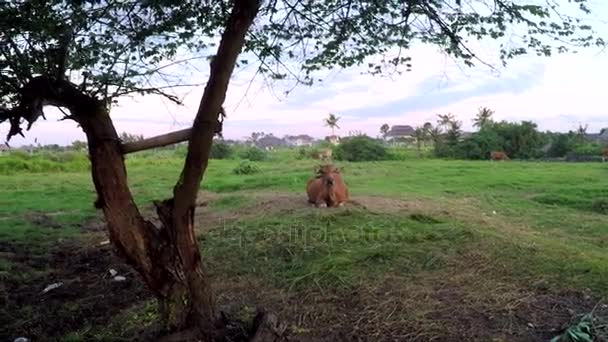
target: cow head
327 173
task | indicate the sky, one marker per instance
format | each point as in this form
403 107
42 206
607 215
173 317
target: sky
558 93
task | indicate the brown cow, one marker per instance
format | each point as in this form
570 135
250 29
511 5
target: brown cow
498 155
327 189
605 154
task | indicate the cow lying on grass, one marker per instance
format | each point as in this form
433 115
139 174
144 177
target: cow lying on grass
497 155
327 189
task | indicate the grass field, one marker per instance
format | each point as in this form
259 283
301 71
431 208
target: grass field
428 249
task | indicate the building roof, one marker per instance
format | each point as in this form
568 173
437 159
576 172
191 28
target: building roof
602 136
400 131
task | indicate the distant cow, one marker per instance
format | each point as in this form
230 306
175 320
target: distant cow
327 189
497 155
605 154
325 154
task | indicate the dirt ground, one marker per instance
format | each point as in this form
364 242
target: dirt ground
448 306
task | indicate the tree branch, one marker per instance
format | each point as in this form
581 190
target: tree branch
157 141
232 41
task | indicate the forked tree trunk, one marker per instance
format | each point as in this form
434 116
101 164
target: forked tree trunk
149 249
167 257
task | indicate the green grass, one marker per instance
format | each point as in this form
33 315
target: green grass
229 202
528 221
331 249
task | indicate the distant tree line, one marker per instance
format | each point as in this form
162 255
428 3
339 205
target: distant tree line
519 140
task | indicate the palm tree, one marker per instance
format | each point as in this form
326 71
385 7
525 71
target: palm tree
484 116
420 133
581 132
255 136
427 127
445 120
384 130
435 134
332 122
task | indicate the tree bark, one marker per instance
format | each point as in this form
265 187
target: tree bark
199 146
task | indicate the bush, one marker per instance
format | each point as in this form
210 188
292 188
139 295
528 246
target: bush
253 154
220 150
588 150
561 145
360 148
518 140
307 153
573 157
19 154
246 167
15 163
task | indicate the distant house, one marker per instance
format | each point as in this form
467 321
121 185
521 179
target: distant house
4 149
601 137
333 139
270 142
400 133
299 140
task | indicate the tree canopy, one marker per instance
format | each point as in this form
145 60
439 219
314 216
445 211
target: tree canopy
114 48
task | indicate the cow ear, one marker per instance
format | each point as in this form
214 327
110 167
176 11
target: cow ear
338 170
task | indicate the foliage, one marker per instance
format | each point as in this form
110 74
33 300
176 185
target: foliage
246 167
484 116
384 129
445 120
446 145
332 122
561 145
128 137
421 135
360 148
581 331
253 153
79 145
581 133
518 140
17 162
521 140
112 49
220 150
479 145
307 153
588 149
255 137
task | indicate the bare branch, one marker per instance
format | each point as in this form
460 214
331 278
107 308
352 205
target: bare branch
157 141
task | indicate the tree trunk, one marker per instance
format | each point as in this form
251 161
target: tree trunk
149 249
203 129
167 257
